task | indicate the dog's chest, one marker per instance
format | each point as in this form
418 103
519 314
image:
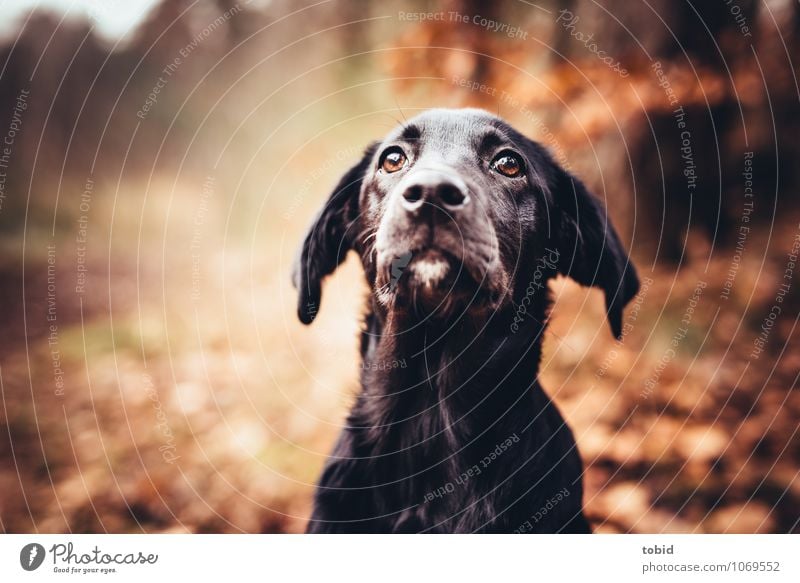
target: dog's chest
430 486
435 502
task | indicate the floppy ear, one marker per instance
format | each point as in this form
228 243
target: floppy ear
590 250
328 240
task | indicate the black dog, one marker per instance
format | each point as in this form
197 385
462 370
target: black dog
459 221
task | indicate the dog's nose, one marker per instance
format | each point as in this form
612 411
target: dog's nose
435 189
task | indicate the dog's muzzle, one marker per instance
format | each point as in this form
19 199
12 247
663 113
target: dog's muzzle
435 245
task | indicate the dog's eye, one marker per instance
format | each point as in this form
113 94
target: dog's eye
508 164
393 160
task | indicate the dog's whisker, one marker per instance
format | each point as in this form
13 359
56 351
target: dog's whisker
368 235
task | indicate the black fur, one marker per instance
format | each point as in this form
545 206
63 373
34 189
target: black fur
451 431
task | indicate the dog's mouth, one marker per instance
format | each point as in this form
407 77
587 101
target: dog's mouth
432 283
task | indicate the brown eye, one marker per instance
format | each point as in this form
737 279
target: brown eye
393 160
507 164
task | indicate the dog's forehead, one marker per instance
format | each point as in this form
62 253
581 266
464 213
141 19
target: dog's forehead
448 127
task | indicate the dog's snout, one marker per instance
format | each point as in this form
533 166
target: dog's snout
435 189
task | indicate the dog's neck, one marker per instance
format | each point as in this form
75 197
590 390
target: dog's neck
467 378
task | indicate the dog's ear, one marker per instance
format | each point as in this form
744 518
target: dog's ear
329 239
589 248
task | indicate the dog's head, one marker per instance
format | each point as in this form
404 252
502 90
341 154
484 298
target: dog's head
457 213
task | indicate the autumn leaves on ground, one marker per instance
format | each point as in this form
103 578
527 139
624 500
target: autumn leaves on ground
175 391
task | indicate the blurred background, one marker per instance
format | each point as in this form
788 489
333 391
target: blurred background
160 161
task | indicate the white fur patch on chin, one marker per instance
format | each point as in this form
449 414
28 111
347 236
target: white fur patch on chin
430 271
